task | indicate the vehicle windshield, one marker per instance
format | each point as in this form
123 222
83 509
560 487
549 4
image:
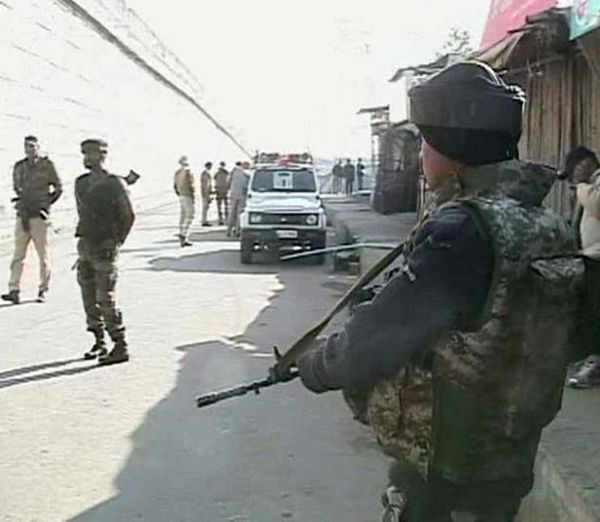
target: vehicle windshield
284 181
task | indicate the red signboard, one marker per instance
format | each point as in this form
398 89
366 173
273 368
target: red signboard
507 15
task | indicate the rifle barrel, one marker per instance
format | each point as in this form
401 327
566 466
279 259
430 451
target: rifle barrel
212 398
238 391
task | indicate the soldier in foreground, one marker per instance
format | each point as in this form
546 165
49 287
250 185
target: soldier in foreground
105 219
459 362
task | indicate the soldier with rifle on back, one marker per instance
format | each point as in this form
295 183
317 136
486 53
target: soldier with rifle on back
105 220
459 361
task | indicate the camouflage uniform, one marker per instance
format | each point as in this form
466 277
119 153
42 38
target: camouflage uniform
105 219
97 277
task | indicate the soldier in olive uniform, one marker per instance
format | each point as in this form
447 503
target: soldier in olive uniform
105 219
459 362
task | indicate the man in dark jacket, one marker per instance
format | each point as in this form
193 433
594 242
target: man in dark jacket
349 176
222 193
459 361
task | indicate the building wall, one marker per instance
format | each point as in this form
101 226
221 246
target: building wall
563 111
63 80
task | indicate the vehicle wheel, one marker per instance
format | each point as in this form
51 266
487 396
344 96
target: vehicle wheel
246 248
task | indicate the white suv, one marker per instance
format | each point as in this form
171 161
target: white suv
284 212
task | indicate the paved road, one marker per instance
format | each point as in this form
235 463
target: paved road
127 443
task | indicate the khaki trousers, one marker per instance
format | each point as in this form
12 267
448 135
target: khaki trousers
38 232
186 215
205 206
236 208
223 208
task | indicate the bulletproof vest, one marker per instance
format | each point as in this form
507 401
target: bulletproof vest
478 414
495 388
97 201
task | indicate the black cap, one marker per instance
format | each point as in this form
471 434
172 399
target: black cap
468 95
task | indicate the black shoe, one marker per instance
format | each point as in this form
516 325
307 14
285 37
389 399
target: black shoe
186 243
41 298
207 224
12 297
118 354
588 374
95 352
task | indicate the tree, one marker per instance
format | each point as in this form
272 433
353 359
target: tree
458 42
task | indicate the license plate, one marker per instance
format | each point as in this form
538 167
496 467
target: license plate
287 234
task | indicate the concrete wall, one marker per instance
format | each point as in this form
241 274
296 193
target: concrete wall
72 70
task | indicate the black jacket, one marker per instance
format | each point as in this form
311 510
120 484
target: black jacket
450 274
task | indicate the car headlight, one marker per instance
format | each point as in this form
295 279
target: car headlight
255 218
312 219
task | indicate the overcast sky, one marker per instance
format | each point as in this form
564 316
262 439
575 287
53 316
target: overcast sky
289 75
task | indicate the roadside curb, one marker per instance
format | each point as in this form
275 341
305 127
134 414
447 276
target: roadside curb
354 221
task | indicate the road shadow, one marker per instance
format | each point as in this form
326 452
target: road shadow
37 367
212 234
285 454
228 261
27 375
219 261
24 302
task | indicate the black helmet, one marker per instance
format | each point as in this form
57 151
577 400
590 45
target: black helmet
468 95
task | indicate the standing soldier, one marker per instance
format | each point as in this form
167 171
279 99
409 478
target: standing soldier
183 185
205 192
222 192
338 173
349 175
37 187
105 219
460 360
360 173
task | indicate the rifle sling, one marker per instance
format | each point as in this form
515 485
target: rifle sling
303 344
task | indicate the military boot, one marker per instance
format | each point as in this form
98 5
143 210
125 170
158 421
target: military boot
118 354
99 348
12 297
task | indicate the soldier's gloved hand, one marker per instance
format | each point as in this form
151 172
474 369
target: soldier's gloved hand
279 374
308 368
